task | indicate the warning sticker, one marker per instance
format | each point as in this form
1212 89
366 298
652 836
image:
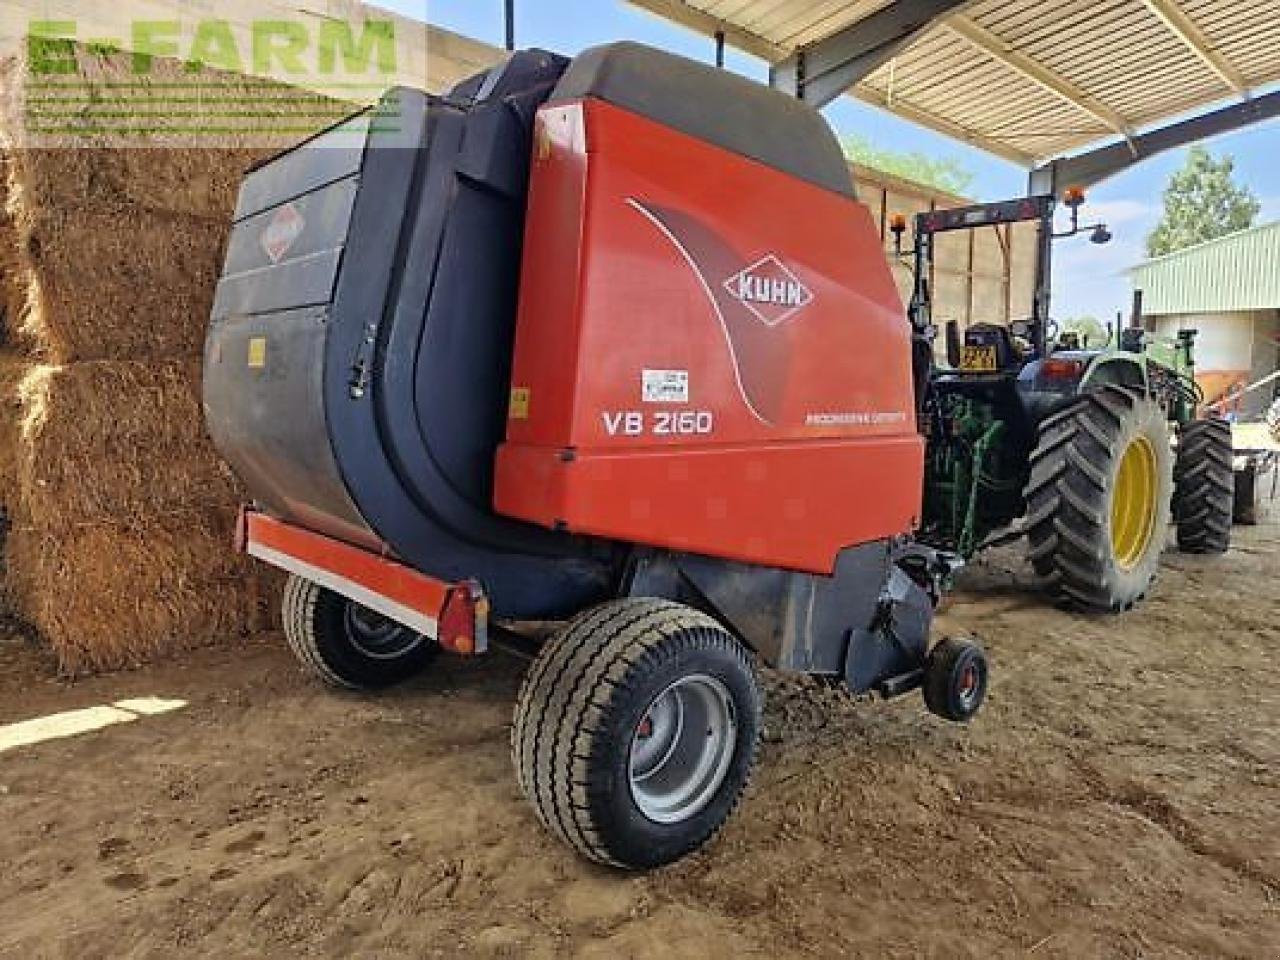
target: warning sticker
665 386
285 227
519 407
257 352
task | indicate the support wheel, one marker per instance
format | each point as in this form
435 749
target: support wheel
955 679
636 731
1204 493
1098 499
347 645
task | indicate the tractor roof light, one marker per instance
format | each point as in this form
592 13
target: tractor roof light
1073 197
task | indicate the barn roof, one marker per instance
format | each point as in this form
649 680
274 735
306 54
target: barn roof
1027 79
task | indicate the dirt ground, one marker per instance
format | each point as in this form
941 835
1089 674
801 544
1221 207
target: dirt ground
1119 797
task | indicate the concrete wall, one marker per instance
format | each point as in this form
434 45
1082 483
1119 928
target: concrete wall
1266 360
1232 350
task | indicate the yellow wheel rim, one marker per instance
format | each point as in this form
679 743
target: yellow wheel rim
1133 507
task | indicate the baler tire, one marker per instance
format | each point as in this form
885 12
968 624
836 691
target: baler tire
1204 487
946 693
582 710
1071 497
319 628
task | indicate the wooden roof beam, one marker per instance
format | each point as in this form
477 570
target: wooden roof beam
1002 52
1171 14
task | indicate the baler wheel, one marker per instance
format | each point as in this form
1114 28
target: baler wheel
1204 487
347 645
636 731
955 679
1098 499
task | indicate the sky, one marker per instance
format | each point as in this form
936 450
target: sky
1088 280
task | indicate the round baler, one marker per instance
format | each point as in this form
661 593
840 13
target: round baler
608 342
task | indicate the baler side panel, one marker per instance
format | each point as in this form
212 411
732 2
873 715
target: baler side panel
716 360
264 353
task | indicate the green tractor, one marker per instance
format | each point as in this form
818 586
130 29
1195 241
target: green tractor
1084 450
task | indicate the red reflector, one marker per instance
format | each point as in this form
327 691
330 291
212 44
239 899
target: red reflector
1060 369
462 625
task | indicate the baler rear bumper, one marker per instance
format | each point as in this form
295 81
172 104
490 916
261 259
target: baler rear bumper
455 615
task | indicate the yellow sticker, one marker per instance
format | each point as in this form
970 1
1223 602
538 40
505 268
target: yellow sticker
257 352
519 409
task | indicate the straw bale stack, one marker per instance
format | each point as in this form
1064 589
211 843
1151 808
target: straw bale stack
119 513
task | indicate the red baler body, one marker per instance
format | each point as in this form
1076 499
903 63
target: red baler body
711 355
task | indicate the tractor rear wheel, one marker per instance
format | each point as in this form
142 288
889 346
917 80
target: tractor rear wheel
1204 487
636 730
347 645
1098 499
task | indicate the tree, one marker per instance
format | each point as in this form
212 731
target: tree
945 173
1202 202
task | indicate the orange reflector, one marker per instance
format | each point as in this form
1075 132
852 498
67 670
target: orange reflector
1060 368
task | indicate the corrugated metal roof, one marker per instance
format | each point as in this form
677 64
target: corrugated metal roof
1240 271
1031 79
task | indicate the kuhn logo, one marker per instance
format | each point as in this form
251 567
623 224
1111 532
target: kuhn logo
769 290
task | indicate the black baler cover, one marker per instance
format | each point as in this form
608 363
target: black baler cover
716 106
358 359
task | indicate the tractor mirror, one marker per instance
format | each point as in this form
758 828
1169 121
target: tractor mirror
1100 235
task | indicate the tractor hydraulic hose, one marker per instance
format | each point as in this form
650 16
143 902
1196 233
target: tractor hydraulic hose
985 442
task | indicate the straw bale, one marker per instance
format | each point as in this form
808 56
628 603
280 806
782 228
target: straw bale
119 287
108 595
194 181
122 440
14 368
119 545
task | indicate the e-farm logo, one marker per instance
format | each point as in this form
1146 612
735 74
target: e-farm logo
278 48
216 82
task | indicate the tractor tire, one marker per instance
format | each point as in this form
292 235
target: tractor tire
1098 500
636 731
1204 487
346 645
